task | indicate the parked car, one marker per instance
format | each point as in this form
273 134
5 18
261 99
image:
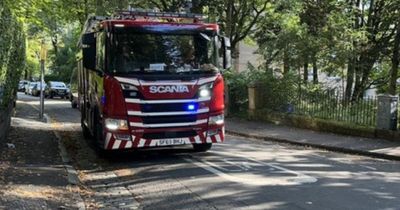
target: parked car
36 89
22 84
26 88
29 87
56 89
73 86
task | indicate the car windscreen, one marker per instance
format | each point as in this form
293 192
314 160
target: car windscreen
166 54
57 85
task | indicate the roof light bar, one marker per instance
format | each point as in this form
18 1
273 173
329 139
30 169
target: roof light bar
129 14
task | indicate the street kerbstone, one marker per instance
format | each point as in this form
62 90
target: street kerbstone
378 148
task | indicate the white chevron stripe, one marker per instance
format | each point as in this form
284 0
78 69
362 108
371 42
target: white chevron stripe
197 139
218 138
116 144
108 137
141 143
128 144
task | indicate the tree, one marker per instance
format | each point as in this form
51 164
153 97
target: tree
395 61
375 18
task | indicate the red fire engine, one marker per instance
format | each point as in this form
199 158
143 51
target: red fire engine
152 79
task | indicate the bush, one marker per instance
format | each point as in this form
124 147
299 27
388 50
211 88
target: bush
12 54
277 93
236 84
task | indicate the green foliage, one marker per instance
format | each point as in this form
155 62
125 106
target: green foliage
236 84
276 93
64 61
12 53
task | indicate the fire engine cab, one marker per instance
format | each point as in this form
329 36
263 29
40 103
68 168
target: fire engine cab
152 79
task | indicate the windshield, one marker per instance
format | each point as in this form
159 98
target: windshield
57 84
162 54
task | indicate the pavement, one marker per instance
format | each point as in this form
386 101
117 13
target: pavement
376 148
32 173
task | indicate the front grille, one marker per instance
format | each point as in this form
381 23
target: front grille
174 107
169 119
166 135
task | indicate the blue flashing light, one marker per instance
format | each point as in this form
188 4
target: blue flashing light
191 107
103 100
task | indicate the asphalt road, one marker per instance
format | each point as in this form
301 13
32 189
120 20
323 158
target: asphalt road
239 174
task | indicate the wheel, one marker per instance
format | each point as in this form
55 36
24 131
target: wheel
201 147
74 105
98 134
85 130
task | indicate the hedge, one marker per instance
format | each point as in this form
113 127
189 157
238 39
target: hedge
12 54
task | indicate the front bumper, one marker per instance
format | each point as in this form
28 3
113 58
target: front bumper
116 141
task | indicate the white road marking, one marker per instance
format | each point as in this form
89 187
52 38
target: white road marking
245 176
369 167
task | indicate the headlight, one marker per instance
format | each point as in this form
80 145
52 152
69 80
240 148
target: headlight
216 120
205 90
130 91
204 93
128 87
116 124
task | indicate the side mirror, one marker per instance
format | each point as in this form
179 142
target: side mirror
88 42
226 49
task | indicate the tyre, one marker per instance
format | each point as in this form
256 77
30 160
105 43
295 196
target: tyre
85 130
202 147
74 105
98 133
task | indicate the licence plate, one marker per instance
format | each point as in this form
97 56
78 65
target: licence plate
167 142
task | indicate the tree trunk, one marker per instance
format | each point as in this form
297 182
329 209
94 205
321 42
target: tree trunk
305 72
357 83
54 42
286 65
236 57
25 73
395 63
349 79
315 71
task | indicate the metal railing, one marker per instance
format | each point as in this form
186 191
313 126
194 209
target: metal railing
332 105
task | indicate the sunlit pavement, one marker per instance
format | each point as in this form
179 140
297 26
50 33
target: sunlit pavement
239 174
